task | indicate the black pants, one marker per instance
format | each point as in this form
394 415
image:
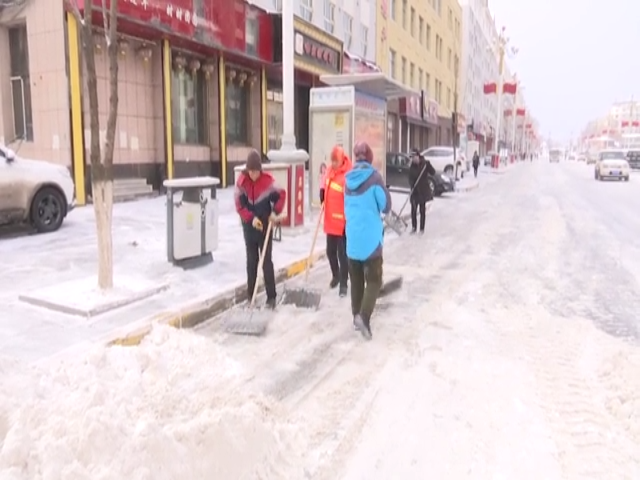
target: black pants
254 242
422 206
366 282
337 256
475 170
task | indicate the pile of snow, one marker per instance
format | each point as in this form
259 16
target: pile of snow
156 412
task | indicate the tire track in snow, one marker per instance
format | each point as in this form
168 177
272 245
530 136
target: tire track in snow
593 439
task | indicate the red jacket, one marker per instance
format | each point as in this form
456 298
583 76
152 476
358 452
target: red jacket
259 198
334 220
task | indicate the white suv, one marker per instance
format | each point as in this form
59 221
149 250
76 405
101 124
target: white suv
33 191
442 160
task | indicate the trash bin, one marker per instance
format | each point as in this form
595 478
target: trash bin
192 220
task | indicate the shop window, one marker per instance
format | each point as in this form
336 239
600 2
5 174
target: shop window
20 83
237 113
189 107
274 119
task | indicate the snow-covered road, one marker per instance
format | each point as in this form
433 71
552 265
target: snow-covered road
512 352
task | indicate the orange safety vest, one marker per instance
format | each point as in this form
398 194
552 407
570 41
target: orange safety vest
334 219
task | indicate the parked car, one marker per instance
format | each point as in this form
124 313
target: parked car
442 160
555 155
633 157
612 164
35 192
398 176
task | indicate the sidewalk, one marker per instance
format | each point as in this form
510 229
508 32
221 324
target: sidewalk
68 257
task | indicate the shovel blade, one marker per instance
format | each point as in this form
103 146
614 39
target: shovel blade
247 322
302 298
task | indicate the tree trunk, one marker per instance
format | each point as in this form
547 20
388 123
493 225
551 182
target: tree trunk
102 166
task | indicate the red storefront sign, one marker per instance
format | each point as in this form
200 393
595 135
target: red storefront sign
411 107
228 24
298 217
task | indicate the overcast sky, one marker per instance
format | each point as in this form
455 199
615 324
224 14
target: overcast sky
576 57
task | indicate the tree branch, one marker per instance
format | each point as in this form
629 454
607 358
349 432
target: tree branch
105 21
72 6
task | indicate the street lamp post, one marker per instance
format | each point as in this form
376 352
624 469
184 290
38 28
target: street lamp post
515 115
288 152
454 121
504 49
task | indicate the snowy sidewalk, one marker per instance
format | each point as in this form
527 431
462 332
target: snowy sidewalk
63 259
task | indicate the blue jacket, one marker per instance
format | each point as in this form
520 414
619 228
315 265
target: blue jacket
366 199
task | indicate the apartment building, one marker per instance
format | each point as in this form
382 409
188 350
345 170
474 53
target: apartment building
479 67
353 23
419 44
619 126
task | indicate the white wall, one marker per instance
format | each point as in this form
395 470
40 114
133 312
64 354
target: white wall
363 13
479 63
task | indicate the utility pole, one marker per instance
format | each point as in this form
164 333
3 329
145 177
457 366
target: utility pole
502 46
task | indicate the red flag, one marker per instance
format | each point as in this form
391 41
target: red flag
635 123
529 126
521 112
625 123
509 88
507 112
490 88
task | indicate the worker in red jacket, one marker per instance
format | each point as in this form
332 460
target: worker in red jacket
258 202
332 197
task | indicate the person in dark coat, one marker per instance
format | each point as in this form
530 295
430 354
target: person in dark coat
419 173
259 201
476 163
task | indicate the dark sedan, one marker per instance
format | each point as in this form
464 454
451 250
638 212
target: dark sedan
398 175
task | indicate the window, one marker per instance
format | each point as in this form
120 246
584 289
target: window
189 105
237 113
364 35
428 37
412 74
277 5
347 27
413 22
306 9
392 63
20 83
421 31
420 79
449 59
392 9
404 14
450 19
329 16
448 97
427 82
439 7
404 71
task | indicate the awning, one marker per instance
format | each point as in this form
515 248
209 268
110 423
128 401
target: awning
374 84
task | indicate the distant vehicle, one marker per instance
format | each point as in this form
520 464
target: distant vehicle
572 157
592 158
581 158
34 191
612 164
555 155
397 175
633 157
442 160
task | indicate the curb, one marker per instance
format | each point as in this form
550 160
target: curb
197 312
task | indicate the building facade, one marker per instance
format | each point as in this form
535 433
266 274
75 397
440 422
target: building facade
419 44
198 86
353 23
479 67
619 126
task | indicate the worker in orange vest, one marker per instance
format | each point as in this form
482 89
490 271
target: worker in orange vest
332 197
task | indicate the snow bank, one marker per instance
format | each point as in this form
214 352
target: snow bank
157 412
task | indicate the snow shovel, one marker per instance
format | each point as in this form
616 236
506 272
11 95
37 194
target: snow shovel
395 223
304 296
250 321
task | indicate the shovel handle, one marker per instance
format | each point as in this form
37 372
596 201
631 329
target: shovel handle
313 243
263 254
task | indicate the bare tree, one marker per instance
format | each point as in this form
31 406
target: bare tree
101 156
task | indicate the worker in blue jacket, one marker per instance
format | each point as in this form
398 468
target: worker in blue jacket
367 200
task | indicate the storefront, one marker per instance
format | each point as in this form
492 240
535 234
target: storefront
412 122
190 79
316 53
